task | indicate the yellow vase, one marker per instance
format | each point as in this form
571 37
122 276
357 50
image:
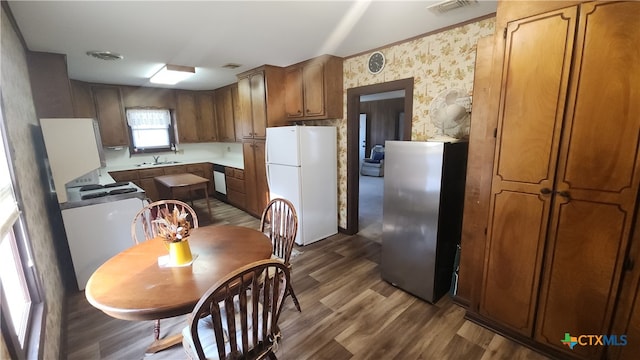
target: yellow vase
180 253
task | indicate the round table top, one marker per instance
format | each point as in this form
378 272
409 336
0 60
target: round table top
133 286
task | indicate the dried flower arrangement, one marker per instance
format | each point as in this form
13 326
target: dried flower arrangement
172 226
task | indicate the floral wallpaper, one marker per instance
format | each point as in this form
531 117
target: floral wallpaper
437 62
19 113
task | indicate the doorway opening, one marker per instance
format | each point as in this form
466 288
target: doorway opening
399 129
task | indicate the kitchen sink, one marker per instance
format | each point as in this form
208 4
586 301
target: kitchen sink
157 163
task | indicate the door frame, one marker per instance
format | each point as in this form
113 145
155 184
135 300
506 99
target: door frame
353 125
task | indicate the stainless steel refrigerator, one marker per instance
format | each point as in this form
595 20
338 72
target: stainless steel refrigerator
422 215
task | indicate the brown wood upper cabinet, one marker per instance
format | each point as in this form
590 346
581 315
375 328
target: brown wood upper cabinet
261 100
195 116
52 94
313 89
566 174
110 115
83 106
225 99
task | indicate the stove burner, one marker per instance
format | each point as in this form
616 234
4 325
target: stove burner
116 184
122 191
91 187
105 186
94 195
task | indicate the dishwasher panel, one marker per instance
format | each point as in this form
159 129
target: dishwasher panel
219 180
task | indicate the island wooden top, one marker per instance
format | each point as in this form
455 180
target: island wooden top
178 180
132 286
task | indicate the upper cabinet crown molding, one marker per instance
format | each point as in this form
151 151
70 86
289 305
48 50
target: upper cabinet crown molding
314 89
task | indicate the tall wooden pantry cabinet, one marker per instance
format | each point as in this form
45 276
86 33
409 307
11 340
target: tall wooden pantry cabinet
559 248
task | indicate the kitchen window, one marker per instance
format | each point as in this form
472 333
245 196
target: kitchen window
21 302
151 130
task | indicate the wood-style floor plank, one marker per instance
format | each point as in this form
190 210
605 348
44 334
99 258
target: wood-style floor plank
348 312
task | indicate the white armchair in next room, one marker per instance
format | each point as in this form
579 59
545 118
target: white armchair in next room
374 164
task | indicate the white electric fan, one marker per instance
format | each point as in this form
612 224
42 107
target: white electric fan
449 112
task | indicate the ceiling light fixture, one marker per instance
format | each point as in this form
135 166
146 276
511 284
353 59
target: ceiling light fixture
172 74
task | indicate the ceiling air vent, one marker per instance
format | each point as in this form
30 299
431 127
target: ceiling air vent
105 55
448 5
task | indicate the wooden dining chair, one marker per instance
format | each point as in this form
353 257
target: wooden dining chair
237 318
279 221
143 226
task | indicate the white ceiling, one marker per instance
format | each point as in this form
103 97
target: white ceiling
210 34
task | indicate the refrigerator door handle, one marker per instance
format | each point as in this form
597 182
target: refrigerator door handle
266 165
266 150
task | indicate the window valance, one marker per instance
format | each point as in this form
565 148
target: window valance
148 118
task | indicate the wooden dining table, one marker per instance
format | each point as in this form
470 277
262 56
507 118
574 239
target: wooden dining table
134 285
184 181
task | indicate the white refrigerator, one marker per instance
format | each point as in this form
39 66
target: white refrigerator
302 168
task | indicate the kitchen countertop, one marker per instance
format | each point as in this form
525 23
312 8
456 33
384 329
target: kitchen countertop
225 161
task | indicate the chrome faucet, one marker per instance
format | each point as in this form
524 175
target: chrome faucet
156 159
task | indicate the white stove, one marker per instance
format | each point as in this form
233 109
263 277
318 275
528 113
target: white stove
97 193
97 220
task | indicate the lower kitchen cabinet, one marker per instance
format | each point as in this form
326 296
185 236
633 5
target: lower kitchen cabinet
148 183
145 178
255 173
125 175
204 170
236 190
177 169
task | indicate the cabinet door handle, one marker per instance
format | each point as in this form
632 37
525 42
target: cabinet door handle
545 191
565 194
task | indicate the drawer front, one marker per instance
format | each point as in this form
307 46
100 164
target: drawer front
178 169
194 168
228 171
127 175
149 173
235 184
238 174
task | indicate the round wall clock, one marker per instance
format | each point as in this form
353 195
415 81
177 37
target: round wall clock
376 62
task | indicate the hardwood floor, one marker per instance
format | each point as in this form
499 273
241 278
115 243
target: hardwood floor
348 312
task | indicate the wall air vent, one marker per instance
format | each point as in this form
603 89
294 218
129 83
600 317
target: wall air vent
448 5
105 55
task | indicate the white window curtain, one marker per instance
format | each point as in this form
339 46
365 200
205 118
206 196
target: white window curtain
8 207
141 119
